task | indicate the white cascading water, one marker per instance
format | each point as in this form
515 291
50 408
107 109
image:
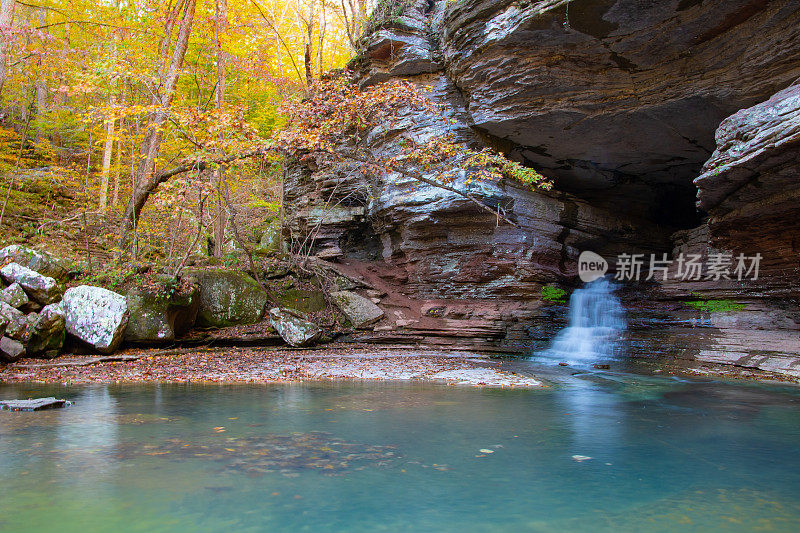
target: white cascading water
596 323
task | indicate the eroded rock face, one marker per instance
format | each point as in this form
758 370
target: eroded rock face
294 330
751 188
404 48
96 316
617 99
228 298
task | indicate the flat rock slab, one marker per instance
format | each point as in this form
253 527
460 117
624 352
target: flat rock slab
37 404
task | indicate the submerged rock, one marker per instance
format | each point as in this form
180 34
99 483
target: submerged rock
43 289
96 316
228 298
294 330
37 404
158 317
360 311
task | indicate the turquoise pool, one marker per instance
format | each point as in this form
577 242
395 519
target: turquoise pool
599 452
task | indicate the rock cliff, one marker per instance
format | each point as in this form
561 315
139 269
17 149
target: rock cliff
617 101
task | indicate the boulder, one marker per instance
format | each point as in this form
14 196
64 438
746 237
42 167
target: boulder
17 325
156 316
294 330
48 330
270 241
228 298
96 316
360 311
305 301
11 350
43 289
14 296
41 262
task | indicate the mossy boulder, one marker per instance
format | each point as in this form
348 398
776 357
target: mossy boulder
227 298
270 241
305 301
158 315
48 332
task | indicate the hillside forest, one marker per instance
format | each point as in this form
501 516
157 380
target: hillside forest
141 129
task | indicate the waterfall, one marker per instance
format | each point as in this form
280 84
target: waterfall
596 322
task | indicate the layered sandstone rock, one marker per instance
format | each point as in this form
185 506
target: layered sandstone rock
617 100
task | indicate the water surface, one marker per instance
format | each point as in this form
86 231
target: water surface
665 455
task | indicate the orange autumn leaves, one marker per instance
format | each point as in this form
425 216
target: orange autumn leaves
338 117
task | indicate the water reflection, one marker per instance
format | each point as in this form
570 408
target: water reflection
596 418
87 437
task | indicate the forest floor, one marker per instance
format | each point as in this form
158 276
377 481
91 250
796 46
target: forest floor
270 365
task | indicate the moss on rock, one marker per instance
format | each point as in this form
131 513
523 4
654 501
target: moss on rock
228 298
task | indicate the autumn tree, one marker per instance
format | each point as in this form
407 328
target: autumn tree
336 120
6 20
146 179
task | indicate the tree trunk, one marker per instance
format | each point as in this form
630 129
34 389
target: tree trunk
118 165
146 180
41 84
6 19
309 42
108 151
221 215
117 169
307 61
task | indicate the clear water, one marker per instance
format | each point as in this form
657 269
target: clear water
596 324
666 455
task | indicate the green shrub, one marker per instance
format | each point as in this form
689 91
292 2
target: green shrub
551 293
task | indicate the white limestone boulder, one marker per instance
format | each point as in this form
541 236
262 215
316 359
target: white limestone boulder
294 330
96 316
43 289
